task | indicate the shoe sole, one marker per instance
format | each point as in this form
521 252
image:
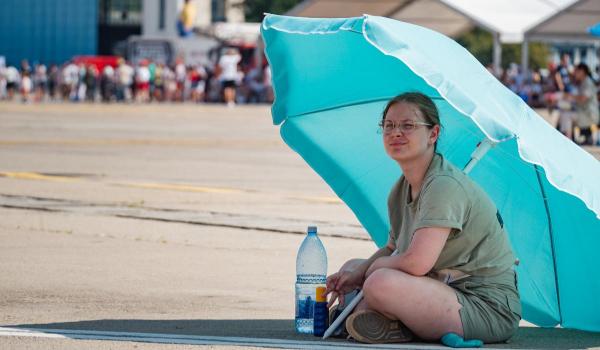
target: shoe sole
373 328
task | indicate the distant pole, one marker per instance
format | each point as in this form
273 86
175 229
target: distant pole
497 58
525 55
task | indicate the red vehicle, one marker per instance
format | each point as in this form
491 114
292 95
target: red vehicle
98 61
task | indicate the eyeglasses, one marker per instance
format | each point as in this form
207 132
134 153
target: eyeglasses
406 127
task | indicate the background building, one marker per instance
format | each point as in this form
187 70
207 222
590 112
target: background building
48 31
117 21
160 16
53 31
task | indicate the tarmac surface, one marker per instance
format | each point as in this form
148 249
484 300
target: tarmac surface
167 227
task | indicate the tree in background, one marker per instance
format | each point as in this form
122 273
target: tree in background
254 9
480 44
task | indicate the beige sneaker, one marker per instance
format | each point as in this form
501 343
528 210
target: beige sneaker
367 326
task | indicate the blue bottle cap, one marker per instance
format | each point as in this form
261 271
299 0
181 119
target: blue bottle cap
312 229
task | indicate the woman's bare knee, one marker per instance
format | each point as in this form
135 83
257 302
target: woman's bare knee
377 286
427 307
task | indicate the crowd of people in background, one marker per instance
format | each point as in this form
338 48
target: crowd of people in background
143 82
568 92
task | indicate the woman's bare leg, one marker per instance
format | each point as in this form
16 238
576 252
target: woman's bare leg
428 307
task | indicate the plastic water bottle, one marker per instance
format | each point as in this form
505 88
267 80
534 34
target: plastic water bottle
311 271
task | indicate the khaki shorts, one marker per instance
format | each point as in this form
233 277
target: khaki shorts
491 308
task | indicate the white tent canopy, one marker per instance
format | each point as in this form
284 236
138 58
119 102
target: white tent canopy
570 24
507 20
434 14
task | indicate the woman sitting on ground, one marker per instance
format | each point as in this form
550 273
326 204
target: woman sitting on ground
453 271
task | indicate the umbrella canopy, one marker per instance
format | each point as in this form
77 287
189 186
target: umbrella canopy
595 30
332 78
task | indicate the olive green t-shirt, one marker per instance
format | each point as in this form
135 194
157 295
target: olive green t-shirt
477 245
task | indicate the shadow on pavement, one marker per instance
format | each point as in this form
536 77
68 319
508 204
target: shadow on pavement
276 329
525 338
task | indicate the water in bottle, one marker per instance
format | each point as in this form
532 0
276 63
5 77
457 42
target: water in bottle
311 271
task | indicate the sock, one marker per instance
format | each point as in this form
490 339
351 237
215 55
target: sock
454 340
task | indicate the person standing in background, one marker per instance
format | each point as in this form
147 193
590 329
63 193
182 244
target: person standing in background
53 81
170 84
125 75
228 64
562 75
197 76
25 67
152 70
180 77
90 80
70 75
81 87
255 85
561 100
585 103
26 86
158 91
268 83
107 83
12 81
2 81
142 79
40 82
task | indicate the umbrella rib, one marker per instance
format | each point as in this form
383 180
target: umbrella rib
350 104
551 232
511 156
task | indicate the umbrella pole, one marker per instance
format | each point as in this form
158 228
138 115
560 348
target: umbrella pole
551 233
482 148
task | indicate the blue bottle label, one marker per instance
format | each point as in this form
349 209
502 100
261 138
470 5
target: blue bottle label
321 318
304 308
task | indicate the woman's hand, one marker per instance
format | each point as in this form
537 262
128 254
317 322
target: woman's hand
343 282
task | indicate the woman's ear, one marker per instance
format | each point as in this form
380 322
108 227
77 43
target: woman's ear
434 134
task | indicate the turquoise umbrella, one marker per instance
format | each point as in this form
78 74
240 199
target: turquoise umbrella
595 30
332 78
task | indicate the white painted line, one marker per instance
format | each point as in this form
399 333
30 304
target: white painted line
200 339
